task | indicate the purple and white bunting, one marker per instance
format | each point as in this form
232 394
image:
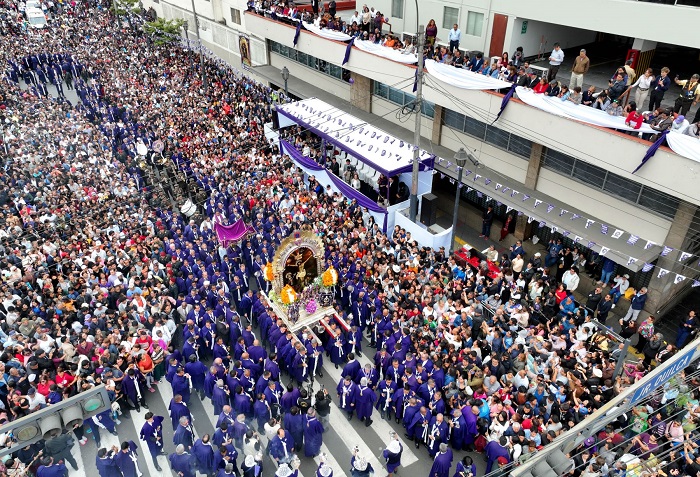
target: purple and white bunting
647 267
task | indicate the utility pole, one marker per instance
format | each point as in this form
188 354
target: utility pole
416 131
201 52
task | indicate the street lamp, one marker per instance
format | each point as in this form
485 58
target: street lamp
285 77
461 160
186 26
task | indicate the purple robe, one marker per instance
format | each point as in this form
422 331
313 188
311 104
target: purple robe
219 399
471 430
182 464
177 410
441 464
204 454
313 435
364 402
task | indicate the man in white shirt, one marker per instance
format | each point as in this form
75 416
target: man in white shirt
355 19
571 279
36 400
555 61
454 37
621 285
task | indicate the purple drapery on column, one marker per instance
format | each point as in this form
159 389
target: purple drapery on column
348 49
296 34
505 101
340 184
652 150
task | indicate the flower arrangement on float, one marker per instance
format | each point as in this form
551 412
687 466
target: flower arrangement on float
268 272
329 278
288 295
311 307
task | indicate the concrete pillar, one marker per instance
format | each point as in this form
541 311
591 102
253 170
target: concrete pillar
361 92
522 228
437 124
662 290
647 49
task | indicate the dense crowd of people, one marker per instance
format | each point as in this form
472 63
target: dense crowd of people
103 282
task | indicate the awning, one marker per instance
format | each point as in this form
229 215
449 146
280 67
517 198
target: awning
373 146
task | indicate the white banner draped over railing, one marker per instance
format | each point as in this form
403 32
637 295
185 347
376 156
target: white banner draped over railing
383 51
686 146
567 109
328 34
461 78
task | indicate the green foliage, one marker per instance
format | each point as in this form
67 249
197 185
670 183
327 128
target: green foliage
121 7
164 31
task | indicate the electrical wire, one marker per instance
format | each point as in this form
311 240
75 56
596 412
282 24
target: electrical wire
488 119
642 219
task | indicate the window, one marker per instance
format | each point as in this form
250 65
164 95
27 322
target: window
454 120
621 187
236 16
475 23
397 96
615 185
396 8
474 128
497 137
310 61
450 16
559 162
659 202
590 174
520 146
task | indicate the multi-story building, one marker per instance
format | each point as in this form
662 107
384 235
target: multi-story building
578 168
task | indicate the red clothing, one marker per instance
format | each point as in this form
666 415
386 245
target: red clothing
44 388
561 295
634 119
540 88
64 380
